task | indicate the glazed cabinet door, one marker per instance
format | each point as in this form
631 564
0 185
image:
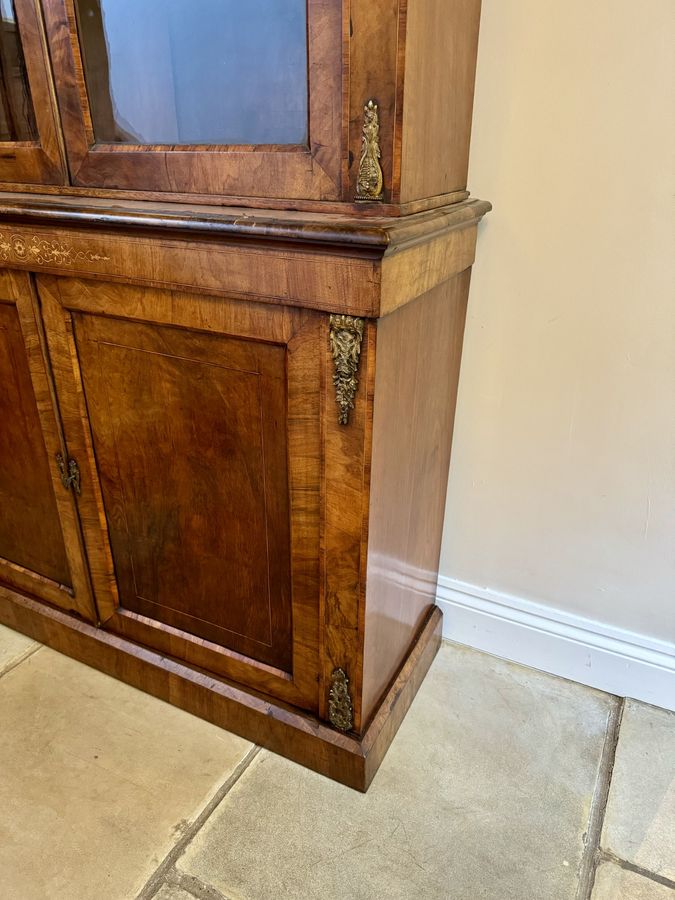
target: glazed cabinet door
218 97
196 424
30 150
40 549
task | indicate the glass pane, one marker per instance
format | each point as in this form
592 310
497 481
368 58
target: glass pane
196 71
17 119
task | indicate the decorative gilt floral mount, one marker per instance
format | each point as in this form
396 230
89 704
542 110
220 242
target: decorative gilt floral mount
340 709
370 179
346 335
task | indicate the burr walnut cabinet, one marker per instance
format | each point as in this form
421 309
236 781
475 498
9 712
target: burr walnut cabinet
235 251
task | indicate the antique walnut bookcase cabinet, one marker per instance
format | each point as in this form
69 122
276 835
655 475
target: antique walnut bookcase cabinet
235 250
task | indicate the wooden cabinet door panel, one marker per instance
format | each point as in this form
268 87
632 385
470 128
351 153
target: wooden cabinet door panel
190 443
31 151
39 541
30 531
197 424
106 150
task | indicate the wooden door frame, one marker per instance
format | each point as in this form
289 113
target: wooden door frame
288 172
19 291
301 332
41 161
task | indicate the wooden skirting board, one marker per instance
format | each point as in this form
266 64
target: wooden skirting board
298 737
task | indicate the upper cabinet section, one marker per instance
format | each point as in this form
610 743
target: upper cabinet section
362 106
30 149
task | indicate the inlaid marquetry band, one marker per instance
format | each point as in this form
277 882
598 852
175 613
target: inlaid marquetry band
43 251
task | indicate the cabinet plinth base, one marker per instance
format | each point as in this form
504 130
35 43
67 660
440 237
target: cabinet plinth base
295 735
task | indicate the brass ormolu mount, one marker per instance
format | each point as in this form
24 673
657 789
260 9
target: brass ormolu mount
370 180
346 335
340 709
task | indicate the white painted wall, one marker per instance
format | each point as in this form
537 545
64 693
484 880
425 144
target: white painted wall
562 482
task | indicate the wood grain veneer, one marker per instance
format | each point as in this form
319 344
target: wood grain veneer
189 430
40 542
30 536
419 350
441 49
113 527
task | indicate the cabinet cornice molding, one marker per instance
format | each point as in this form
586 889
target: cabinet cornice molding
377 233
363 268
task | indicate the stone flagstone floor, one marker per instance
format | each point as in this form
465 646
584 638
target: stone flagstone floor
502 784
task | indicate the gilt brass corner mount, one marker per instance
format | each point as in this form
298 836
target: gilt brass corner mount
340 709
370 180
346 335
69 473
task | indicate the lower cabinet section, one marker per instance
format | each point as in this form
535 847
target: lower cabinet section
233 504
